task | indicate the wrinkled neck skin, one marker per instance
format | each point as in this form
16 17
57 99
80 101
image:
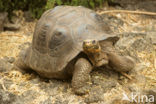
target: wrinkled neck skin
101 58
98 59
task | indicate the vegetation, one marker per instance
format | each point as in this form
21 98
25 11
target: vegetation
37 7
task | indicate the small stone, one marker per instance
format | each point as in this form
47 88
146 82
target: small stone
152 36
28 96
12 27
139 68
95 95
28 16
6 97
47 101
108 85
133 88
7 83
5 66
3 16
140 79
9 59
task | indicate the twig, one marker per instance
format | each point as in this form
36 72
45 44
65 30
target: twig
127 11
11 35
1 82
126 75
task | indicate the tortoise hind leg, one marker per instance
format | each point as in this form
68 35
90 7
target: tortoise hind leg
81 76
21 59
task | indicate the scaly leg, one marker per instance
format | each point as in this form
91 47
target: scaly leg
81 76
119 63
20 62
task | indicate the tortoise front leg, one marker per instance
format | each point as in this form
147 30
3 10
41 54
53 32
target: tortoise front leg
81 76
117 62
120 63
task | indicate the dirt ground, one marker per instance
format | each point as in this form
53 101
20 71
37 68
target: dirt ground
138 40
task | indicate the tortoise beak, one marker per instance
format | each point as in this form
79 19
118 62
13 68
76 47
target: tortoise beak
91 46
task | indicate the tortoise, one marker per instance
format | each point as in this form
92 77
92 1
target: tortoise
69 41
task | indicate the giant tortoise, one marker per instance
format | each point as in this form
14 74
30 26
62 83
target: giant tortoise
69 41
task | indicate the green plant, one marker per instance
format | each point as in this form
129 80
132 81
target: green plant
87 3
37 7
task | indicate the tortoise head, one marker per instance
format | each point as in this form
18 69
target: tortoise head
93 49
91 46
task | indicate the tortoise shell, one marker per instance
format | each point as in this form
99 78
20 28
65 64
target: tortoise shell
59 35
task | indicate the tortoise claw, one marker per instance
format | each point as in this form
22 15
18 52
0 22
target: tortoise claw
82 91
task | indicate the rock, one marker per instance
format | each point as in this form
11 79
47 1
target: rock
5 66
105 72
137 77
138 68
3 16
138 41
152 36
50 100
112 23
59 100
6 97
140 79
9 59
12 27
120 101
47 101
131 43
24 46
138 4
6 25
53 84
7 83
133 88
28 16
108 85
95 95
27 97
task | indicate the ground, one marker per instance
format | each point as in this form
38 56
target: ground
137 39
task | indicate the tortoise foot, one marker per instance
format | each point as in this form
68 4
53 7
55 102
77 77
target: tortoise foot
82 91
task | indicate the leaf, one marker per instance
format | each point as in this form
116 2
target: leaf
50 4
75 2
92 4
59 2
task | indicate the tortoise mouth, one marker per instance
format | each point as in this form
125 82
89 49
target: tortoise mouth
91 46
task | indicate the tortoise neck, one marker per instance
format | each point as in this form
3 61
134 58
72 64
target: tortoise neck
92 57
